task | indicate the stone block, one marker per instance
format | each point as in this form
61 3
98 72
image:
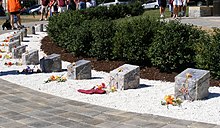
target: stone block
45 27
51 63
13 44
18 51
30 57
39 28
31 30
25 32
16 36
21 35
192 84
200 11
79 70
125 77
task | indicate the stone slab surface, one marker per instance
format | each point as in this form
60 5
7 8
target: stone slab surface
18 51
79 70
125 77
48 114
30 57
51 63
194 87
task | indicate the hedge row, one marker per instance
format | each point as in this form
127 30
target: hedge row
139 40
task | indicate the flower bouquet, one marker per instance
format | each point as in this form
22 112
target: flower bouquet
7 56
2 51
4 44
56 78
169 99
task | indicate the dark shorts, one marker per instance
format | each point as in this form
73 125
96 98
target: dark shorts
15 13
162 3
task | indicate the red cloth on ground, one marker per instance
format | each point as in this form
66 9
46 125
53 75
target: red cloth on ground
92 91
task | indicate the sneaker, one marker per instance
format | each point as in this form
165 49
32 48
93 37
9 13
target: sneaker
41 19
161 16
20 27
14 28
45 19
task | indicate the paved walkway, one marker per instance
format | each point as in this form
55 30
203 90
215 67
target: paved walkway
21 107
203 21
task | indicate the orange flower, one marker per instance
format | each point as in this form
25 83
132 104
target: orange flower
169 99
53 77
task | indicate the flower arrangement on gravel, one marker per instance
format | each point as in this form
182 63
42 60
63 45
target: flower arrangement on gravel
56 78
169 99
7 56
2 50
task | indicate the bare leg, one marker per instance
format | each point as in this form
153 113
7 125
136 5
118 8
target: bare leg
19 19
175 11
162 9
42 13
184 10
12 21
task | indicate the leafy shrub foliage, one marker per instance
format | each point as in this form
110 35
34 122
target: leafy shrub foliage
107 33
208 52
132 38
173 46
102 33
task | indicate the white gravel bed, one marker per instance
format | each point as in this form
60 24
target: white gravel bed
146 99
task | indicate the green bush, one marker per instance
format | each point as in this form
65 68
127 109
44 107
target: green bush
208 52
71 31
132 38
102 33
173 46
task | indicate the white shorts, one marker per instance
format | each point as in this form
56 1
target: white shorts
62 9
177 2
184 3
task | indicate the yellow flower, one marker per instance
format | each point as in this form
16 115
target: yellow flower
188 75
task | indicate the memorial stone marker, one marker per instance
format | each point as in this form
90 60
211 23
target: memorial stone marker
51 63
125 77
30 57
192 84
13 44
79 70
18 51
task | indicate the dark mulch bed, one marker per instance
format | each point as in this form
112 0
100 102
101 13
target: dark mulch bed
150 73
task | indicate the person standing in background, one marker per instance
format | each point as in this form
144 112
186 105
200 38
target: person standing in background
14 10
162 4
171 7
77 4
44 9
176 7
62 5
183 13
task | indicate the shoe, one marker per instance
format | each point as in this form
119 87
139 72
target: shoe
161 16
41 19
45 19
20 27
14 28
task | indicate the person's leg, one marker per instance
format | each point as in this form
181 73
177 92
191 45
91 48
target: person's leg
12 21
184 10
46 12
19 19
175 11
161 10
42 12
